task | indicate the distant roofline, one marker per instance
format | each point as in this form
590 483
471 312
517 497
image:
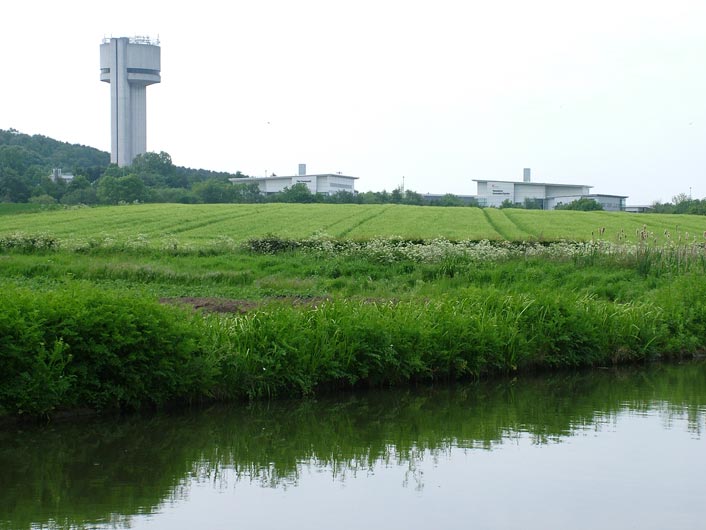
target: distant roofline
293 176
534 183
589 195
441 195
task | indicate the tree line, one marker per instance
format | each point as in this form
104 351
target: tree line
681 203
26 163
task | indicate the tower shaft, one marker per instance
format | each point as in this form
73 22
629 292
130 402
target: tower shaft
129 65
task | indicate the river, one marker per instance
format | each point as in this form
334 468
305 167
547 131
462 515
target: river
609 449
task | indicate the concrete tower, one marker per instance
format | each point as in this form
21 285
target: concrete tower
129 65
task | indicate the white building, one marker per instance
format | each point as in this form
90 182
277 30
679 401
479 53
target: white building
326 183
57 175
547 195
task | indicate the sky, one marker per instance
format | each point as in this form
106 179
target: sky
429 94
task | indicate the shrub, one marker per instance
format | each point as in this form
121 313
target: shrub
95 348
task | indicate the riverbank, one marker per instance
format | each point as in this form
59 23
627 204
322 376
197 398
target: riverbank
88 330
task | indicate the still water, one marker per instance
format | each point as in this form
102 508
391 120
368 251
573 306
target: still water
601 449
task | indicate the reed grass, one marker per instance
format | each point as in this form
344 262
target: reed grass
94 348
83 327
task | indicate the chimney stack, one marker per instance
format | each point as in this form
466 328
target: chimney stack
526 174
302 170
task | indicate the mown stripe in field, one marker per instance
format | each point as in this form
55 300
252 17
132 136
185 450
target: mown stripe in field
357 212
219 219
425 222
284 220
493 224
45 221
611 226
521 225
516 232
363 221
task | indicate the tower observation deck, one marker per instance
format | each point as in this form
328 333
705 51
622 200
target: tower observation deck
129 65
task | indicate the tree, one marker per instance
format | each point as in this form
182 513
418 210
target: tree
396 196
79 182
79 191
80 196
45 200
174 195
17 158
412 197
369 197
247 193
584 204
112 190
13 188
533 204
214 191
157 169
448 199
507 203
682 203
297 193
343 197
47 186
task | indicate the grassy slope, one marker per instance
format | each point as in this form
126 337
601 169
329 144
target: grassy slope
203 224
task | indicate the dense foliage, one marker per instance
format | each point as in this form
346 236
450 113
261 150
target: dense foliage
87 347
583 205
681 203
86 329
27 163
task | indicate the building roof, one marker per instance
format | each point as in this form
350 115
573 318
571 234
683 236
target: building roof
534 183
293 176
606 195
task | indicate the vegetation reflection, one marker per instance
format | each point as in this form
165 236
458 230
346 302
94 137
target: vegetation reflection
104 472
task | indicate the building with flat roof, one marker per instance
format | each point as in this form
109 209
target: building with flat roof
326 183
546 195
639 209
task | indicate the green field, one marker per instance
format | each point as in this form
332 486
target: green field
143 305
160 224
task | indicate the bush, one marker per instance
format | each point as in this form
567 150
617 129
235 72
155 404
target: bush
584 204
270 244
29 242
91 348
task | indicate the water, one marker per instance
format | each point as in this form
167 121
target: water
604 449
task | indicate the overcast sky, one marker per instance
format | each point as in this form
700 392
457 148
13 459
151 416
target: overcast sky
608 93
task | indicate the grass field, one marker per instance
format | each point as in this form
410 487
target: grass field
105 319
157 224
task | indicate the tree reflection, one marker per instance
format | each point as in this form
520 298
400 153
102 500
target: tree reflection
105 471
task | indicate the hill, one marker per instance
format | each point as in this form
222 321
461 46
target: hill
26 162
22 152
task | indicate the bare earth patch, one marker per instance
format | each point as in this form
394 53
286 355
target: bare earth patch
230 305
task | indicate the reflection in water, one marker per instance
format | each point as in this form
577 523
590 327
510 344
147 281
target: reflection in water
109 472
